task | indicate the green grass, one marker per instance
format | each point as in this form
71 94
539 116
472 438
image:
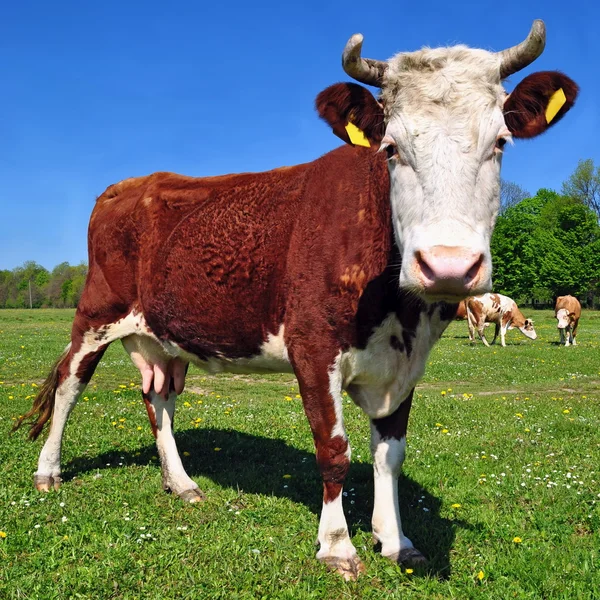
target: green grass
520 456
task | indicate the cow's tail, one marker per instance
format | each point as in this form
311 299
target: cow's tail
43 405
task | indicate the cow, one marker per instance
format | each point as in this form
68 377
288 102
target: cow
500 310
461 311
568 311
345 270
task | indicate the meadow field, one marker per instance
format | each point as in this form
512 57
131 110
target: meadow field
501 484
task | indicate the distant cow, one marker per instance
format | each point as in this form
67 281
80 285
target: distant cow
461 312
567 311
500 310
298 270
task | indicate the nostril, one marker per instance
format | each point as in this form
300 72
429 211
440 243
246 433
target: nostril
426 270
474 270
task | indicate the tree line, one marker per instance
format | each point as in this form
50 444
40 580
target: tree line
543 246
31 285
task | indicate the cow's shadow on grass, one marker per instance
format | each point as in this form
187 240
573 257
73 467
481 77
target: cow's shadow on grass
257 465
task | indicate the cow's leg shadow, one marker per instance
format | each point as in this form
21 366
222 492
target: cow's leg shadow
256 465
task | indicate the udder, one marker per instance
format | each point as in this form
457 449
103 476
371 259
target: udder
159 370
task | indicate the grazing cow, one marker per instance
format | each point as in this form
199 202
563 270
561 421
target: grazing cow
298 268
461 311
500 310
568 311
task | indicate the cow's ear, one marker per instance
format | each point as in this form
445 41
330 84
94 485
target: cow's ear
539 101
353 113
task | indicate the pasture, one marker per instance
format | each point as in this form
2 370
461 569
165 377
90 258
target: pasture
501 484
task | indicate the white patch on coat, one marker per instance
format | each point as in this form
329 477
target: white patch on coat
335 391
379 378
272 355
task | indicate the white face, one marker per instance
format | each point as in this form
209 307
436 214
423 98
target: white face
444 137
563 318
528 330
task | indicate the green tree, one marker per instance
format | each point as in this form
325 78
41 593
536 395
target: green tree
584 185
547 246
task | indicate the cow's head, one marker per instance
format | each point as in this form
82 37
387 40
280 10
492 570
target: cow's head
564 318
442 120
528 329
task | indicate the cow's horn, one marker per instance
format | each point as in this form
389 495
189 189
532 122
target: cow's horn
365 70
518 57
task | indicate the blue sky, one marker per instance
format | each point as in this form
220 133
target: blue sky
96 92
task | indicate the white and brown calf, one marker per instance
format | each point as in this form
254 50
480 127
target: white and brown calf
500 310
568 312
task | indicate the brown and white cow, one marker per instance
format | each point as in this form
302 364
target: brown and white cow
500 310
568 312
461 311
297 268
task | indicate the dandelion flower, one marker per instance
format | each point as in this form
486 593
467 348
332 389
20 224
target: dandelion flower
444 431
456 505
186 453
517 540
2 534
443 392
286 476
409 571
217 449
480 575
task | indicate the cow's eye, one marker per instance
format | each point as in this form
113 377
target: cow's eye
389 147
391 151
500 143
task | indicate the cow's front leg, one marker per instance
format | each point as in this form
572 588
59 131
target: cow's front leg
321 389
388 443
561 335
503 329
567 336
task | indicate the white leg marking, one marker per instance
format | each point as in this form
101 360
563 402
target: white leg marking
388 456
333 532
335 389
66 397
173 474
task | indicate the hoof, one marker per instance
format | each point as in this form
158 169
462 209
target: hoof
193 495
348 568
411 557
44 483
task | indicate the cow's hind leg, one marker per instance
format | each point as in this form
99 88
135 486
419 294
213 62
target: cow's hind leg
481 332
56 399
388 443
174 477
321 389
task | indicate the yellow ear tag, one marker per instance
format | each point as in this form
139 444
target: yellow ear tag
357 137
556 102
